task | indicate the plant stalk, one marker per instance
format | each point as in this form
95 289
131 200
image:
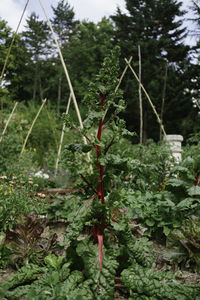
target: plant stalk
8 121
163 98
149 99
140 96
62 136
29 132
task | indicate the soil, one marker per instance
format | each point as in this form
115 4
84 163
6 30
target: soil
6 274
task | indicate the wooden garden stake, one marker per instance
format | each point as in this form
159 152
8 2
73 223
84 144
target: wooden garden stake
120 80
67 76
197 103
163 98
65 70
29 132
8 121
62 135
149 99
123 73
12 42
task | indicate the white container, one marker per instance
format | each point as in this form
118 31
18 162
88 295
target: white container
174 141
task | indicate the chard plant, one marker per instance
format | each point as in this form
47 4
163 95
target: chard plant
102 214
101 248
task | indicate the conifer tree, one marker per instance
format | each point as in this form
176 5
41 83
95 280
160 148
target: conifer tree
64 25
36 38
11 62
156 26
63 20
88 47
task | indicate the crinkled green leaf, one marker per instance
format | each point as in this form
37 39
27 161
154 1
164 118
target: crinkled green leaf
150 222
156 284
187 203
194 191
53 261
103 282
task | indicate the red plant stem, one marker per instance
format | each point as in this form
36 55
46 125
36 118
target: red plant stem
100 191
197 180
117 279
100 243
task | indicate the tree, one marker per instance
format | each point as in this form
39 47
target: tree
156 26
37 41
63 21
87 49
64 25
11 61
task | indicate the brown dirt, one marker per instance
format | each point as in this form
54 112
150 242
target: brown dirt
6 274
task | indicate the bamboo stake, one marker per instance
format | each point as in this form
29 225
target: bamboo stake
149 99
29 132
8 121
12 42
197 103
67 75
123 73
65 69
163 97
140 95
62 136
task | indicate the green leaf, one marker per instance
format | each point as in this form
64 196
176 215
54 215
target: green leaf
194 191
54 261
150 222
104 279
187 203
166 230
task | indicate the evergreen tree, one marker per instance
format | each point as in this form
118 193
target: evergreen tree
156 26
193 90
63 21
12 73
87 49
64 25
37 41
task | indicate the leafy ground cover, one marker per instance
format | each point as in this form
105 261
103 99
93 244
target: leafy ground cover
130 222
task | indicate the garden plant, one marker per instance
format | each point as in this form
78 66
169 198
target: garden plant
103 248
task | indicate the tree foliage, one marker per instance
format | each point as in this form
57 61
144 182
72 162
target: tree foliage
157 27
34 70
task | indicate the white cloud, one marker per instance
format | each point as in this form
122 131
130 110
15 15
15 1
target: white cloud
94 10
11 11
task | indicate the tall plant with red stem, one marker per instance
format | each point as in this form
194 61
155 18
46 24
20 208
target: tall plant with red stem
102 128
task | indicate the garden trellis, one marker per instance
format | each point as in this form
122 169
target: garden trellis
147 95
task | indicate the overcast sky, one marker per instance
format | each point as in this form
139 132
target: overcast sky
92 10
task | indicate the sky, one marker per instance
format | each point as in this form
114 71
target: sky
91 10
